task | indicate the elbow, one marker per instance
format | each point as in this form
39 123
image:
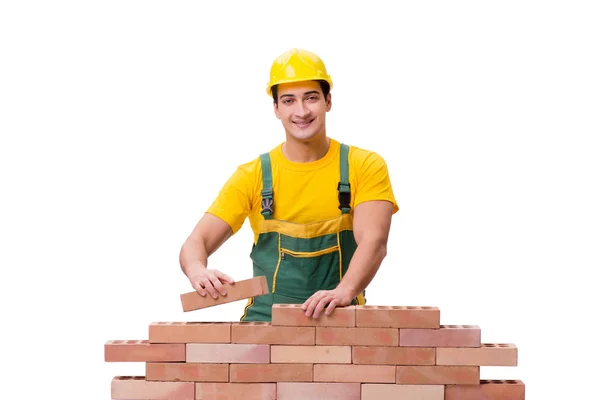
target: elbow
377 246
382 250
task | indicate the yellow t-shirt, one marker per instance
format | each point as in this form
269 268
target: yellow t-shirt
302 192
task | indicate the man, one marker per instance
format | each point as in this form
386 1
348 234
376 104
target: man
320 210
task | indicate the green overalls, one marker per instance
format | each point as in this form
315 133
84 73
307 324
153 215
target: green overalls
300 259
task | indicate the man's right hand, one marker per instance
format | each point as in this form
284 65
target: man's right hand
210 281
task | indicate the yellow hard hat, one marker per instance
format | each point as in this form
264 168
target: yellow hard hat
297 65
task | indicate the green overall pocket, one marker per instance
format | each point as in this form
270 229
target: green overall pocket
301 273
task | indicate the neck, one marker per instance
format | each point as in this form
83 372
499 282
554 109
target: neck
305 151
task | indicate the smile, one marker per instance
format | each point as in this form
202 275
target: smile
303 124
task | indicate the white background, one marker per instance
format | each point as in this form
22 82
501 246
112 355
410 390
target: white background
120 121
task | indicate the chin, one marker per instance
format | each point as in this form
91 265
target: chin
304 135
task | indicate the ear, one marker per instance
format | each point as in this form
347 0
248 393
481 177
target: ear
276 110
328 102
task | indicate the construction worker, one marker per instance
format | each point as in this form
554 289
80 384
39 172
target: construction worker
320 210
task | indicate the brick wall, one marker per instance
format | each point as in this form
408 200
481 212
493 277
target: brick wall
358 352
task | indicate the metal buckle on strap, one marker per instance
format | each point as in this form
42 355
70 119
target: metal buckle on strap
344 195
267 206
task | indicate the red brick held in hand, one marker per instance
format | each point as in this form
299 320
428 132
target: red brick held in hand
240 290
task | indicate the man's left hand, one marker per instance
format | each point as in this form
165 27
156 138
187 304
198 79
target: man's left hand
327 300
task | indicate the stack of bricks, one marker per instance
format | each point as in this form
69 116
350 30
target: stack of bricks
357 352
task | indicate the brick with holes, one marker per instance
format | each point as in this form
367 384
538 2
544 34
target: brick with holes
502 389
489 354
142 350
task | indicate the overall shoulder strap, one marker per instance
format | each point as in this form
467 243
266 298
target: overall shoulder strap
344 183
267 190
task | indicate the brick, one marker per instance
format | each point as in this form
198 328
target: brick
189 372
354 373
138 388
142 350
227 353
229 391
311 354
437 375
317 390
392 391
240 290
487 390
376 355
357 336
270 373
445 336
265 333
489 354
189 332
294 315
397 316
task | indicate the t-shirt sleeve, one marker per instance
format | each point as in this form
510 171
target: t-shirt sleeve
234 201
373 180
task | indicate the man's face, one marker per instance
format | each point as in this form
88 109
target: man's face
302 109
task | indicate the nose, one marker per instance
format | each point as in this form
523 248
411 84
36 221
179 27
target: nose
302 111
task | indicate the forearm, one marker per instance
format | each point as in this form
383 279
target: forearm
193 257
364 264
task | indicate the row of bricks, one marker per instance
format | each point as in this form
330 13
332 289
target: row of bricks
137 388
487 355
273 373
266 333
292 314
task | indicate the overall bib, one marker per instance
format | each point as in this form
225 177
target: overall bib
300 259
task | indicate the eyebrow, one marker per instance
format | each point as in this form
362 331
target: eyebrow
305 94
